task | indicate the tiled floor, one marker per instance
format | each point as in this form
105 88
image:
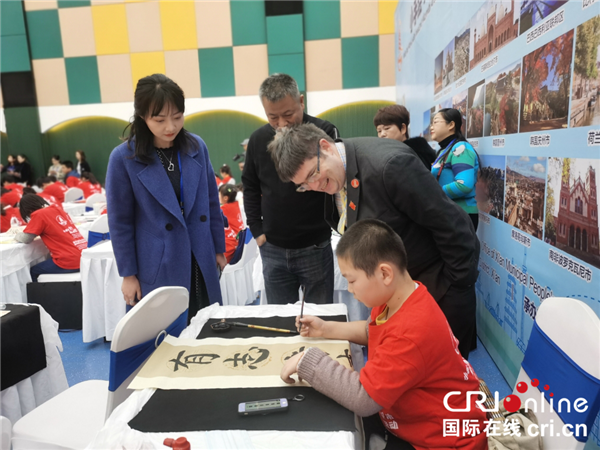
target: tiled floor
91 361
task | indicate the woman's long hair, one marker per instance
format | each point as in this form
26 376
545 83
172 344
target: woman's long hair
29 204
152 94
81 155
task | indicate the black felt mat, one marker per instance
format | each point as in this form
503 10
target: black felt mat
288 323
172 411
216 409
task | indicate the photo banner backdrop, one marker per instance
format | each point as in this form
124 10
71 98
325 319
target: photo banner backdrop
526 77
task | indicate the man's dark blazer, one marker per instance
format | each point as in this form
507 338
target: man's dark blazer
386 181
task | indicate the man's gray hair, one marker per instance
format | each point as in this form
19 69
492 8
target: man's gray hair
293 146
277 87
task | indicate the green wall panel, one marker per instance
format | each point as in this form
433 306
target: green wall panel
248 22
321 19
96 136
355 119
83 80
23 130
223 131
4 149
292 64
14 54
44 34
360 62
216 72
73 3
11 18
284 34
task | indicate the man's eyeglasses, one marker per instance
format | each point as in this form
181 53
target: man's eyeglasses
315 176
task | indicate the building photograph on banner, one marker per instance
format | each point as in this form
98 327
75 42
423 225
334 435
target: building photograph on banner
525 77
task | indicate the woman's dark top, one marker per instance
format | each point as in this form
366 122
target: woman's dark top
423 150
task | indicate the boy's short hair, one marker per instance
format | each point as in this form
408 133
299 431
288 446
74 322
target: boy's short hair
370 242
10 179
68 164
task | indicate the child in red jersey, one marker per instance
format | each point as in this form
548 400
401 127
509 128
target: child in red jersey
89 185
8 213
53 188
10 196
231 209
58 232
49 198
226 177
413 361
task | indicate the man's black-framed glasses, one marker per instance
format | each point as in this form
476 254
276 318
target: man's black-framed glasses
315 176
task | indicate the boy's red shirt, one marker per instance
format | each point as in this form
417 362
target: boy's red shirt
413 363
234 217
60 235
57 190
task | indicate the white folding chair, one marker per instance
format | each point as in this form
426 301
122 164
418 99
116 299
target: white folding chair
98 231
71 419
94 198
6 430
571 326
73 194
237 287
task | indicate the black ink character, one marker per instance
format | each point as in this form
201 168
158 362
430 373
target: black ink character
192 359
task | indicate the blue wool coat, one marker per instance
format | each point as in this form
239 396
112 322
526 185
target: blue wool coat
151 238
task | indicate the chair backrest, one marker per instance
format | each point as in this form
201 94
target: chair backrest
250 250
239 250
574 328
144 322
94 198
6 430
100 225
73 194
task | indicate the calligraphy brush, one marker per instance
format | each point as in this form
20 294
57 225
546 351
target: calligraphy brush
303 288
260 327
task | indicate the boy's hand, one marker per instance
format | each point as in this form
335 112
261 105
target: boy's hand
310 326
290 368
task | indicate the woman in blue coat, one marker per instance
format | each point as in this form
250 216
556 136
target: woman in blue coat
163 205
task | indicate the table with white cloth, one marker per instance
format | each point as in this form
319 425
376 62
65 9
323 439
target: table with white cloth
116 432
16 259
74 208
356 310
103 304
24 396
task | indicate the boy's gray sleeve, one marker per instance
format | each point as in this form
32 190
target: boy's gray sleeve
335 381
25 238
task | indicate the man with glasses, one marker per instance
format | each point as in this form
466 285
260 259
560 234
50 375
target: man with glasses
293 237
371 178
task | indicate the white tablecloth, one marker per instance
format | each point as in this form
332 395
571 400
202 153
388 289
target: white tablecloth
117 434
16 260
74 209
18 400
103 304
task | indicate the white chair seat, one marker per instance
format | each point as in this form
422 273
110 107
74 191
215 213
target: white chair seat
67 421
59 277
